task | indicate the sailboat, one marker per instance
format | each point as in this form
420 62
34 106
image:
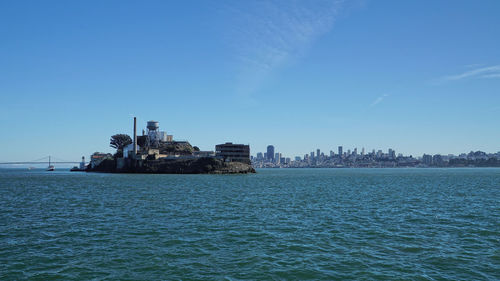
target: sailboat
51 167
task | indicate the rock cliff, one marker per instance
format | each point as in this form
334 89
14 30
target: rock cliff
203 165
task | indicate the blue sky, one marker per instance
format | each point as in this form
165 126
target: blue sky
415 76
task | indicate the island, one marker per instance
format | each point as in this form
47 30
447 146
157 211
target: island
156 152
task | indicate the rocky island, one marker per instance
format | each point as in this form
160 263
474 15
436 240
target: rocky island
156 152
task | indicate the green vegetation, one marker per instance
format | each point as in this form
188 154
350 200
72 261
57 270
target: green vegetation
119 141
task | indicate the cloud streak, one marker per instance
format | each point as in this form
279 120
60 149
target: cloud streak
269 35
484 72
378 100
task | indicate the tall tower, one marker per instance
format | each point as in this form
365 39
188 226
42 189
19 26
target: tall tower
270 152
82 164
135 138
153 133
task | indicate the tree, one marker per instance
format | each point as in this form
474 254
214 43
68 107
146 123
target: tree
119 141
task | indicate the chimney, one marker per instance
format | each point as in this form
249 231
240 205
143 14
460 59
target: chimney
135 137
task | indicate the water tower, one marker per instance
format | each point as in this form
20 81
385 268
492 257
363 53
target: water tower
153 134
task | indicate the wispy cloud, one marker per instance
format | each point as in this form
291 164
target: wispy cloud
378 100
268 35
483 72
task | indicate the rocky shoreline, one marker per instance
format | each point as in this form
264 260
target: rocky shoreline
202 165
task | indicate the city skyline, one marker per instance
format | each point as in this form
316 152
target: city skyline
417 77
372 159
345 150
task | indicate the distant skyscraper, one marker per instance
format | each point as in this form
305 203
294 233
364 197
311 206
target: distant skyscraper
355 151
277 157
340 151
312 155
318 153
270 152
260 156
363 151
331 153
392 153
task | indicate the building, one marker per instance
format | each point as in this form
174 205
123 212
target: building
427 159
392 153
340 151
437 160
260 157
277 158
97 158
270 152
233 152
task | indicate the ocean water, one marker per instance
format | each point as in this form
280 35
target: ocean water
278 224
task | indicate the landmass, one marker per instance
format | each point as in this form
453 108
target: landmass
158 153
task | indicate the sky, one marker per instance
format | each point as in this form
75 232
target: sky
415 76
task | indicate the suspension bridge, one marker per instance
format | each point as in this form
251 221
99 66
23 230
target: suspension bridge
43 160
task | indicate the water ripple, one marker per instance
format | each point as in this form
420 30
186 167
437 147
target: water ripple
317 224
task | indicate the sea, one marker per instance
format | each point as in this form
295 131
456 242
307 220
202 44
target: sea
277 224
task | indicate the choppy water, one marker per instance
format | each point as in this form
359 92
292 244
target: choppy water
372 224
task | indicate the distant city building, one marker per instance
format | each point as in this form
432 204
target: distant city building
332 153
363 151
297 158
270 152
427 159
437 160
355 152
260 157
392 153
318 153
340 151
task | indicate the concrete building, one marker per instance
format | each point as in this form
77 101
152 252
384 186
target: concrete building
233 152
340 151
